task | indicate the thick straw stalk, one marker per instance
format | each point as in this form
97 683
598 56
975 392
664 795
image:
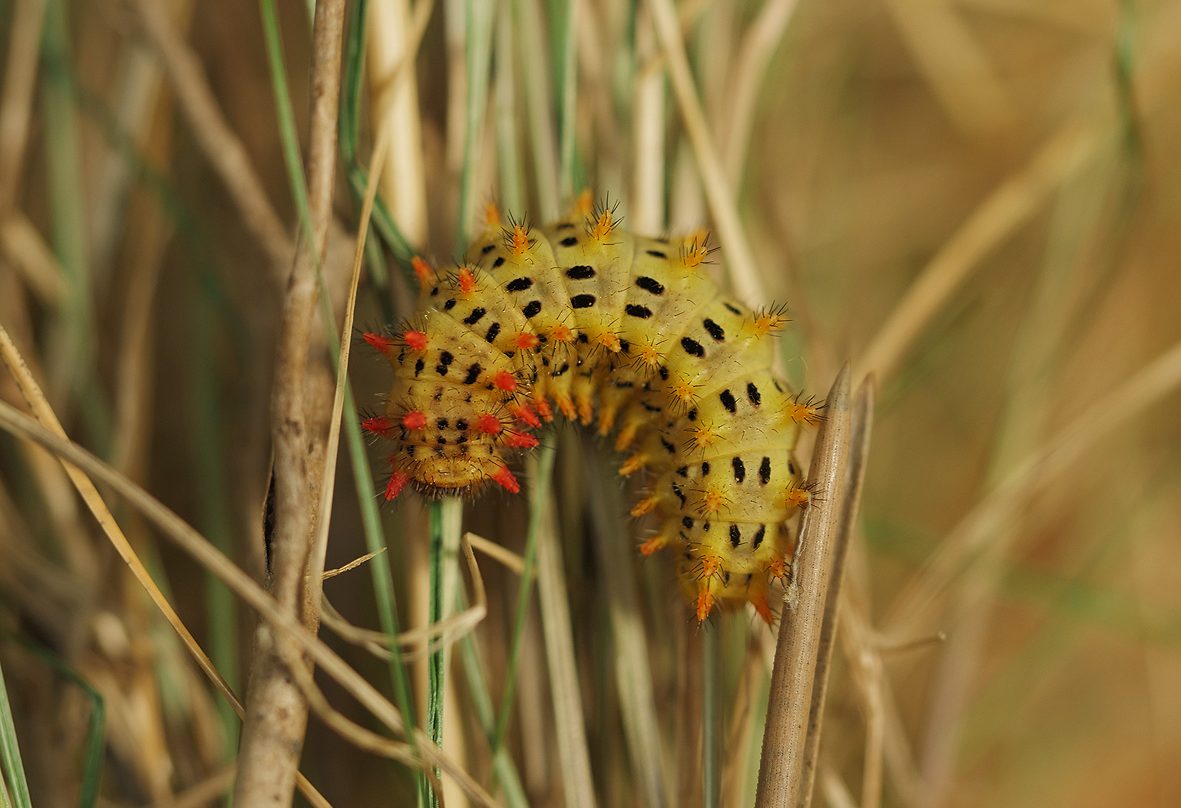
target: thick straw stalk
799 676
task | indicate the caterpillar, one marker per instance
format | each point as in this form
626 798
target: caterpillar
629 335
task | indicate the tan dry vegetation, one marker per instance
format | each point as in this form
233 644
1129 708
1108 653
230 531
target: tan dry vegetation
976 201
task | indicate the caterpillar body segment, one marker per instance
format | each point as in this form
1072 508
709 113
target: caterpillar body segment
627 335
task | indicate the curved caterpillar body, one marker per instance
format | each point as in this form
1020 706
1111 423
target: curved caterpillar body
625 333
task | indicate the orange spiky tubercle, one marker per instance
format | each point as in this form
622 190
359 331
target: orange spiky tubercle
609 329
602 221
770 320
804 410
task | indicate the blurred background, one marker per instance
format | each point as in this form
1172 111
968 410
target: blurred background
975 200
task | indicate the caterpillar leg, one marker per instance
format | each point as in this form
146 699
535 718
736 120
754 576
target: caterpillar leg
725 589
756 595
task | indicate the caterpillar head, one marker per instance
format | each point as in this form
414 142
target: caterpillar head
452 475
450 454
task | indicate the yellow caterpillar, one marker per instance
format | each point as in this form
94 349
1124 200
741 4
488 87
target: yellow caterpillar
625 333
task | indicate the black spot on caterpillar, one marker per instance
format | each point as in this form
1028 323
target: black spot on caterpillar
581 326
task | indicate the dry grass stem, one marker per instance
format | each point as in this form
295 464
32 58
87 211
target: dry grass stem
857 454
784 778
497 552
352 565
276 709
419 642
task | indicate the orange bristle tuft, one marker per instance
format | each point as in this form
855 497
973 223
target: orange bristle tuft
603 225
648 355
695 251
713 502
610 342
415 419
710 566
704 436
467 281
521 440
777 567
505 381
526 341
416 340
380 425
378 341
395 485
520 240
770 321
805 411
527 416
505 479
798 496
489 424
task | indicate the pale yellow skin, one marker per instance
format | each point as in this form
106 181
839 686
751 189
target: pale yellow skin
627 333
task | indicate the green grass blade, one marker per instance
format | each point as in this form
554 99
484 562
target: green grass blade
10 753
446 520
273 36
352 76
